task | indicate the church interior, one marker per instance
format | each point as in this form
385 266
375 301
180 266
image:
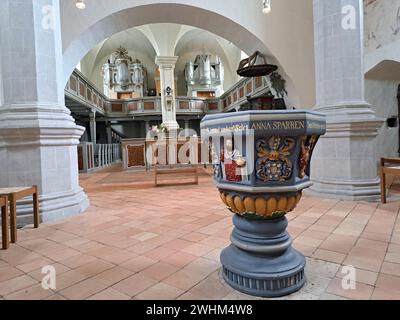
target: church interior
287 111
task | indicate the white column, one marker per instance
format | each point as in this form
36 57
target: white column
101 157
38 137
93 127
187 127
109 132
167 79
344 164
146 127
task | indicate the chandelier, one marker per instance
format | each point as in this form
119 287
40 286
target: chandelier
80 4
266 6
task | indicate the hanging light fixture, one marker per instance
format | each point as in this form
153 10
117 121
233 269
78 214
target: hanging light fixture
266 6
80 4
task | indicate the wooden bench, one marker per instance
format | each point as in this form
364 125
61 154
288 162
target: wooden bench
15 194
4 223
384 170
169 171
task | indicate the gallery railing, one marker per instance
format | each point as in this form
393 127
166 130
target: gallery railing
94 156
247 87
83 91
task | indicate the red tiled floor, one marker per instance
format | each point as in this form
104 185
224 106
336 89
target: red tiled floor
35 292
127 245
15 284
134 285
160 271
361 292
113 276
160 291
83 289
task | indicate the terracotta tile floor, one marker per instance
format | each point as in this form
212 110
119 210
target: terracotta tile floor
138 242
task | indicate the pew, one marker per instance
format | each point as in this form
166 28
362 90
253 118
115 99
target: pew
4 222
388 166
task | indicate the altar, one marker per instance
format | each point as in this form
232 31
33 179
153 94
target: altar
146 153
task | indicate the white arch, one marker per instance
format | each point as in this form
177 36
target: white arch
248 29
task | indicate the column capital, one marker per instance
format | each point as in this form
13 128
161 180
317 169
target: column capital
92 115
166 60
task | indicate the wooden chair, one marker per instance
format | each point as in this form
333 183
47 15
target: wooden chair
388 170
15 194
4 222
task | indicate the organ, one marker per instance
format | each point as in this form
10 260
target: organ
124 77
205 76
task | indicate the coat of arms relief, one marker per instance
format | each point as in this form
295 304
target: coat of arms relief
273 163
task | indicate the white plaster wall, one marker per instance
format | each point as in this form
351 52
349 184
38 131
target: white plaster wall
382 32
286 33
382 95
1 85
382 54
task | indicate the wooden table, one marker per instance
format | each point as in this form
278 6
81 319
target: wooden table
4 222
395 170
15 194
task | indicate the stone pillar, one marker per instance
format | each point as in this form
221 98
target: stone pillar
146 127
344 162
109 132
38 137
93 127
187 127
168 93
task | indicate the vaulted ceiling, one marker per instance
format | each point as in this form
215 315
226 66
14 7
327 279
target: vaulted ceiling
148 41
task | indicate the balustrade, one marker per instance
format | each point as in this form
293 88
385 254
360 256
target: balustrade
94 156
80 89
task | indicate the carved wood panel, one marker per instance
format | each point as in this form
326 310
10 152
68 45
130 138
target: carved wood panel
241 92
73 84
148 105
135 156
213 106
82 89
258 82
80 158
249 88
116 107
184 105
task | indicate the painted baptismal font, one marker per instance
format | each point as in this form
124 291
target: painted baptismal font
261 163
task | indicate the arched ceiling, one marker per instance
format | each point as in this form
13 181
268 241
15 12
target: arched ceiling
197 40
286 34
148 41
133 40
